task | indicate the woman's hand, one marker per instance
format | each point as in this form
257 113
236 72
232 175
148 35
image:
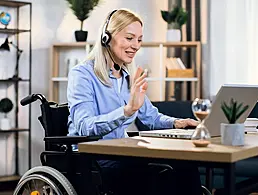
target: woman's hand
137 94
182 123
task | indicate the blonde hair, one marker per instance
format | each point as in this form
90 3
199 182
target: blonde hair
118 21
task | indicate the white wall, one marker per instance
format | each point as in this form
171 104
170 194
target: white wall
53 21
230 44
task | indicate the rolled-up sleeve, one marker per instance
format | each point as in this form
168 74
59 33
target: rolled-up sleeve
150 116
80 95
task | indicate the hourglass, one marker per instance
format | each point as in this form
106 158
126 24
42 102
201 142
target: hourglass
201 109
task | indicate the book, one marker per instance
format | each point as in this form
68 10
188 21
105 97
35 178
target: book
181 64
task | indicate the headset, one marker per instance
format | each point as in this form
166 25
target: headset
106 36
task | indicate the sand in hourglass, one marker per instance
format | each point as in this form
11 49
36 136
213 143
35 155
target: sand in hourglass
201 143
201 114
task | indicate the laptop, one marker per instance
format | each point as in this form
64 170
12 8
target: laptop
248 94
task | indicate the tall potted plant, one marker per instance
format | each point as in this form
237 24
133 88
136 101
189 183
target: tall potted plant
6 106
82 10
232 133
175 18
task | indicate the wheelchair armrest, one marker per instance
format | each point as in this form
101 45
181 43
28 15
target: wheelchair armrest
69 140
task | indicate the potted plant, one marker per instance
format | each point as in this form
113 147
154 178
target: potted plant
6 106
233 133
82 10
175 18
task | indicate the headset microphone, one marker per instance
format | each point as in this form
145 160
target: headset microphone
116 66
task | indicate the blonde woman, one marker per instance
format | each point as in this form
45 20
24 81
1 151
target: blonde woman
107 92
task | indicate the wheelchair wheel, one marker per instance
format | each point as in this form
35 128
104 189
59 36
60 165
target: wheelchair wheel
43 180
205 191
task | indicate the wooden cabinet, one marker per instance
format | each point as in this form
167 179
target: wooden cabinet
56 80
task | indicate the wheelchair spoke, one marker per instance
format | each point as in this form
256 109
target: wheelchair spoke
35 184
37 187
44 181
28 187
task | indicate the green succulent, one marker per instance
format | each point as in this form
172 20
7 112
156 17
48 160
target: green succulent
82 8
234 110
176 17
6 105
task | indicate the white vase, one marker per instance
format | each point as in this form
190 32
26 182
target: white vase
232 134
5 124
173 35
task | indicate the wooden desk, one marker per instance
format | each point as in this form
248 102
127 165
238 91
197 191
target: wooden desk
215 155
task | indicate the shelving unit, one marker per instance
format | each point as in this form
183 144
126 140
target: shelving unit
56 79
10 180
12 31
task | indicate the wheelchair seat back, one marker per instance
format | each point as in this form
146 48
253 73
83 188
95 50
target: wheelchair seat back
54 119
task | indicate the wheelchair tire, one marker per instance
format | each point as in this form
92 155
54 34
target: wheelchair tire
52 175
205 191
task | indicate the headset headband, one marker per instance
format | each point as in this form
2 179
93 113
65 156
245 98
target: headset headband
107 22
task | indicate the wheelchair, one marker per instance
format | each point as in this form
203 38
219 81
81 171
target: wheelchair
61 171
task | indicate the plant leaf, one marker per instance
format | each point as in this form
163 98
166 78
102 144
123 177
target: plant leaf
232 101
226 106
227 114
182 18
242 111
239 106
173 14
165 16
82 8
233 113
177 16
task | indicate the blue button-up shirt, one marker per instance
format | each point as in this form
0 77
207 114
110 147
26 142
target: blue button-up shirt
97 109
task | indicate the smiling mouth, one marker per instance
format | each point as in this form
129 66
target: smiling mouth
130 54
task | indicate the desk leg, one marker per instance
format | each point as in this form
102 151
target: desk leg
230 179
209 178
86 167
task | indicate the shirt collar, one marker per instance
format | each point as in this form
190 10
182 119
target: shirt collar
125 73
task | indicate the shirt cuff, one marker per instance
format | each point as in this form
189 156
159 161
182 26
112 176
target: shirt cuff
173 122
121 118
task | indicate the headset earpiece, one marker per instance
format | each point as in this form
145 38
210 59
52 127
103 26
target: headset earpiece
106 36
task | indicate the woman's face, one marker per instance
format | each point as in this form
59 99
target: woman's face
126 43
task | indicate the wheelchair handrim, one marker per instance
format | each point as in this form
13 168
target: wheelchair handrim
38 177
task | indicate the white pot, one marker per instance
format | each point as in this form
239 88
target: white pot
232 134
173 35
5 124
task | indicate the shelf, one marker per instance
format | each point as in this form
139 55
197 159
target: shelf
73 44
59 79
13 3
65 79
13 130
12 31
172 79
172 44
14 80
193 79
144 44
9 178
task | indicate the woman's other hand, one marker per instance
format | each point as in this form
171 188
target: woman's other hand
183 123
137 94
